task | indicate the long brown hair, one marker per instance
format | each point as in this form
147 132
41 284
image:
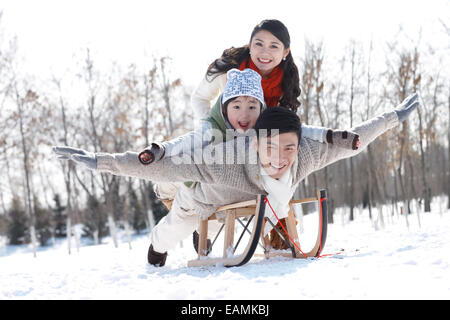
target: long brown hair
233 57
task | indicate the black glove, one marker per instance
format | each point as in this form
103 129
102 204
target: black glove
153 153
344 139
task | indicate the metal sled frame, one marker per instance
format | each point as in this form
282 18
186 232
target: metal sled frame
255 209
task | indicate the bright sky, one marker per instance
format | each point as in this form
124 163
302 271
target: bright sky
196 32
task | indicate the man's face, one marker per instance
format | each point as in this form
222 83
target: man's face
277 153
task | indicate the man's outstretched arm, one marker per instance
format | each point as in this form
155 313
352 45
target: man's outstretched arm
369 130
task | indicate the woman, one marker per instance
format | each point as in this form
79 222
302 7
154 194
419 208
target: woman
267 53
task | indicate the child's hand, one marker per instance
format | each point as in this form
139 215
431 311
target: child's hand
79 156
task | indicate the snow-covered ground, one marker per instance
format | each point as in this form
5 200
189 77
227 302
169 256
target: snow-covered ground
378 262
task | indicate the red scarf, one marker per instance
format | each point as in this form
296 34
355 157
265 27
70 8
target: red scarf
271 85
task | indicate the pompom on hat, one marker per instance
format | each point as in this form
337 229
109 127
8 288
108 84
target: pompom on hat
243 83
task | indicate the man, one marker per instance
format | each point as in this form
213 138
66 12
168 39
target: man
276 160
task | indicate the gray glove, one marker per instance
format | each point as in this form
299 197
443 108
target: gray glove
408 105
79 156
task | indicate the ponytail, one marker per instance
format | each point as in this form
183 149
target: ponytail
290 84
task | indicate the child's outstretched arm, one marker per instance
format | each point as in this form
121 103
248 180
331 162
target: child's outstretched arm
187 143
213 165
129 164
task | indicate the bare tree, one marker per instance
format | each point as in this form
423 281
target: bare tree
20 100
67 168
145 186
448 150
401 75
352 96
355 54
312 87
447 30
416 84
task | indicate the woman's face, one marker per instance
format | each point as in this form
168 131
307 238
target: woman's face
242 113
267 51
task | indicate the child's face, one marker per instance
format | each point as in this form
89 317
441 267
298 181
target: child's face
267 51
277 153
242 113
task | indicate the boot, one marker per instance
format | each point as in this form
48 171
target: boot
196 238
275 240
155 258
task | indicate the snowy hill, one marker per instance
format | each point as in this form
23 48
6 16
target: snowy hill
390 262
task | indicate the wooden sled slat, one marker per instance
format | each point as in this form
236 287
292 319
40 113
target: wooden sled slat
238 205
238 260
203 238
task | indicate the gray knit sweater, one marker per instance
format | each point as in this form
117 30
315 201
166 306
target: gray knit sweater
221 184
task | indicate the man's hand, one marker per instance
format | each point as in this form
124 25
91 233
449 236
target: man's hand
79 156
408 105
344 139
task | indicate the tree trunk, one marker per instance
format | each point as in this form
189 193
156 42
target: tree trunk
67 175
27 176
166 86
144 185
352 178
416 83
369 182
330 203
405 197
69 234
426 194
448 153
109 194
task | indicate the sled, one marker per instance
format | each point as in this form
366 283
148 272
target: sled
253 210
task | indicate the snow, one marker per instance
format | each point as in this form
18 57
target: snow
393 261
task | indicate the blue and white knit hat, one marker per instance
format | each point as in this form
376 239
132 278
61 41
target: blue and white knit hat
243 83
